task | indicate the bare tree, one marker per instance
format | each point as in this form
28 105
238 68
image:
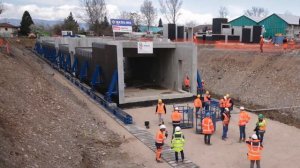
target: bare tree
149 12
191 24
171 9
95 11
1 7
223 12
257 12
134 16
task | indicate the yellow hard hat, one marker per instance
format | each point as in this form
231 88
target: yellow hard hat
207 92
227 95
198 96
159 101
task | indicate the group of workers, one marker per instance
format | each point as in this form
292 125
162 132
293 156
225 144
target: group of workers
202 104
285 43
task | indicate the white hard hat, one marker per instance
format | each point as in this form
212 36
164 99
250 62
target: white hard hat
162 127
176 108
254 136
242 108
177 129
227 109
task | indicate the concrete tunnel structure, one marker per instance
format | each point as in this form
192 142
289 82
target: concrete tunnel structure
141 77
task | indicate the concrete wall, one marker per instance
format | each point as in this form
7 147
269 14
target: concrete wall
187 53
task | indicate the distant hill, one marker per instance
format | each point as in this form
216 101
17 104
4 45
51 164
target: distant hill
16 22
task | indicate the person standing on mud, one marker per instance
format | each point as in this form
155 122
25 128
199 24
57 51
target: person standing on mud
226 120
161 135
243 120
254 148
261 126
261 43
206 100
160 111
285 44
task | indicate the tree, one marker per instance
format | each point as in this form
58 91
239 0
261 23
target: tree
170 9
191 24
149 12
223 12
95 11
70 24
257 12
56 30
160 24
105 23
26 22
135 17
1 7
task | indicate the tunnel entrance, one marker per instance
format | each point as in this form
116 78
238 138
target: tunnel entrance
150 76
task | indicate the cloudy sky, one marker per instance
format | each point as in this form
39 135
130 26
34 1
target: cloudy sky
199 11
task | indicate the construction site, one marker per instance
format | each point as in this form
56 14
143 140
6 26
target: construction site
51 114
110 101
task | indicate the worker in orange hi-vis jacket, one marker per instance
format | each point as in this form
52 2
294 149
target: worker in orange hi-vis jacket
261 43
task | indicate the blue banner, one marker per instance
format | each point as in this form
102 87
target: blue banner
121 22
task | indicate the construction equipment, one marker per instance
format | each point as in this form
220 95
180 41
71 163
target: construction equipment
187 116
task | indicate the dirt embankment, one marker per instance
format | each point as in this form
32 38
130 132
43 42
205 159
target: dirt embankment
268 80
42 124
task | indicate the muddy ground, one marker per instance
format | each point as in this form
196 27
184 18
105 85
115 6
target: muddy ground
258 80
43 124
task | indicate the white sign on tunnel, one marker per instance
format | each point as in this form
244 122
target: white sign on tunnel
145 47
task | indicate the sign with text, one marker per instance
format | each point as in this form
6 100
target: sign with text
121 25
145 47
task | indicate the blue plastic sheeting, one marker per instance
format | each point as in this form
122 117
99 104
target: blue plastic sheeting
278 39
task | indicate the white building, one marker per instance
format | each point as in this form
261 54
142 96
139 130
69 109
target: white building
8 30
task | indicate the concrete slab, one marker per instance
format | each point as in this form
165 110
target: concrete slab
133 94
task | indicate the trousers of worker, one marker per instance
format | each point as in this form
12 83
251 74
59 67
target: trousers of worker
160 118
158 152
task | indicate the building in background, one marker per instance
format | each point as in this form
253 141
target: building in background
276 24
245 21
8 30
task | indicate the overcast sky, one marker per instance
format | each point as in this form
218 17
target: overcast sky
199 11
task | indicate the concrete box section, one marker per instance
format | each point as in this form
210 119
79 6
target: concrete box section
141 77
148 77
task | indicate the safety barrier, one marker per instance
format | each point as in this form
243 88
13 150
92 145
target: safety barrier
48 55
187 116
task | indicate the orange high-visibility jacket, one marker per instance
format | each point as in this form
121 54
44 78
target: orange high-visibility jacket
176 116
261 42
187 82
198 103
160 108
254 148
244 118
226 119
292 42
222 103
207 126
206 98
160 137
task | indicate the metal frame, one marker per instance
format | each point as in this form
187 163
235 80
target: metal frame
187 116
